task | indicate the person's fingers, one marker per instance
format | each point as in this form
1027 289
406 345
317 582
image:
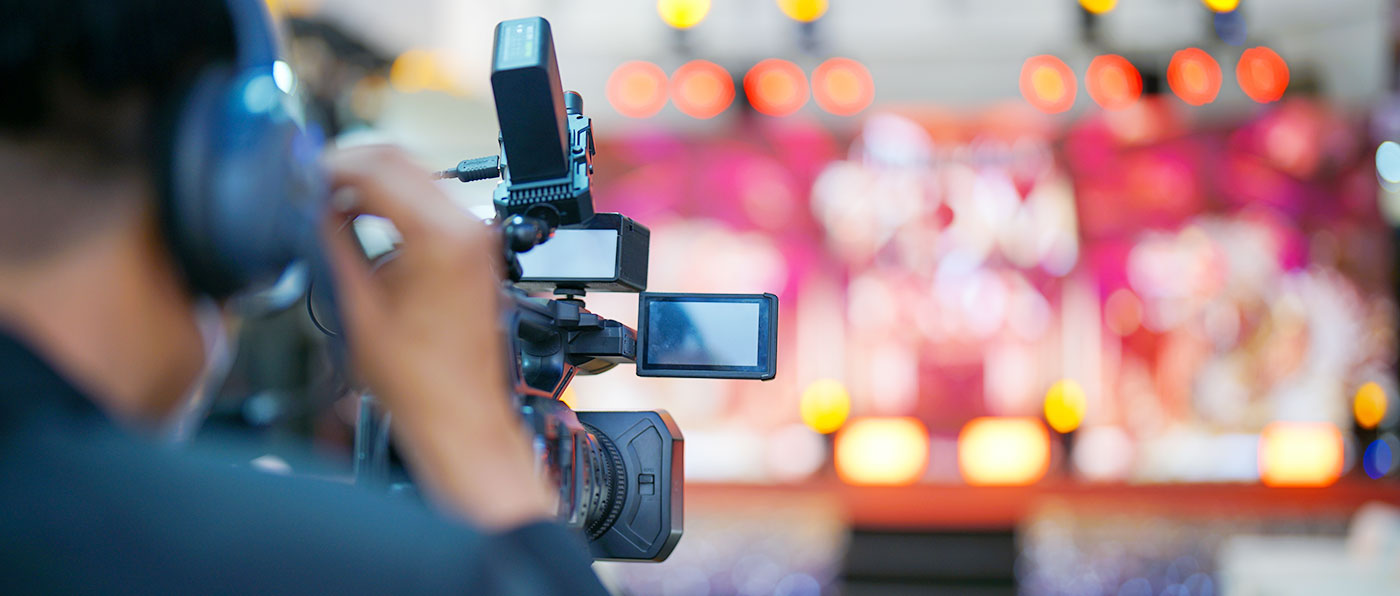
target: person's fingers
388 185
494 246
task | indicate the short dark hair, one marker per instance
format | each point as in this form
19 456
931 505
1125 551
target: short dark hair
85 82
107 47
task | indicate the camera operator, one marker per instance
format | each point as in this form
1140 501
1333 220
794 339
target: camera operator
101 338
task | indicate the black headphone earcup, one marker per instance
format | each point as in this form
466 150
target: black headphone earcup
242 194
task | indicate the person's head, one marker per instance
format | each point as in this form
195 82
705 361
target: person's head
84 270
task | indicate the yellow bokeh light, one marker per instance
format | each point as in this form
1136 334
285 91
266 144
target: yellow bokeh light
292 8
420 70
882 451
804 11
1003 451
825 405
682 14
1370 405
1300 454
1065 405
1098 6
1222 5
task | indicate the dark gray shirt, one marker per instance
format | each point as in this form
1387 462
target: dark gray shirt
88 508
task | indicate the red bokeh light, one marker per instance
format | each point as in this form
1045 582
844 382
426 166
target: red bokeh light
1048 83
637 89
1262 74
1113 82
1194 76
702 89
842 86
776 87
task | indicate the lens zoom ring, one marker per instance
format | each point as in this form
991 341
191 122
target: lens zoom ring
615 477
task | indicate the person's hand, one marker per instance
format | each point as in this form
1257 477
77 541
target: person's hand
423 333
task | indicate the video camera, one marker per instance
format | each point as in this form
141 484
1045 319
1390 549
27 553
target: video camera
620 474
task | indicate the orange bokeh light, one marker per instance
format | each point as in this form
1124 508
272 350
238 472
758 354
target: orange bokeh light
882 451
1194 76
1262 74
1369 405
1003 451
1113 82
702 89
1048 84
637 89
1300 454
776 87
842 86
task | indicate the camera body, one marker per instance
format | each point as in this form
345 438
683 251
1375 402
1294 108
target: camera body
620 474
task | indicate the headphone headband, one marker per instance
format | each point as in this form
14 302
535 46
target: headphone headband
243 194
256 36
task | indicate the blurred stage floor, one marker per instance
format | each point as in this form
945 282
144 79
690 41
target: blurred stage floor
974 508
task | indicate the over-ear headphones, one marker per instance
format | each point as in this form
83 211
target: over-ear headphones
241 194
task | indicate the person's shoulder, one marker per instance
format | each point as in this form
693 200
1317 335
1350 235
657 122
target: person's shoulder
139 513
